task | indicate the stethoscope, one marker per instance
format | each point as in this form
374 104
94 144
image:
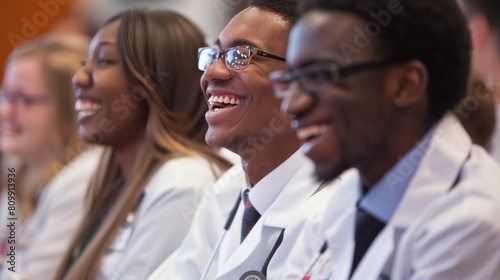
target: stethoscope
253 274
229 221
258 275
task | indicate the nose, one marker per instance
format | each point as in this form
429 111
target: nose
7 109
82 78
217 72
297 101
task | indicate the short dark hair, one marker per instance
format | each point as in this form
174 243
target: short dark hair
489 8
433 32
287 9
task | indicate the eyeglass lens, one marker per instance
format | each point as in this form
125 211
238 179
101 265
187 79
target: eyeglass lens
235 58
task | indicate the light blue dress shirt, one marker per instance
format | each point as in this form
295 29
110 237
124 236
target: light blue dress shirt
383 198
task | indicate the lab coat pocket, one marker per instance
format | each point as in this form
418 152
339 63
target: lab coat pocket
322 268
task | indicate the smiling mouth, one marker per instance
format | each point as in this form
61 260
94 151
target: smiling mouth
311 132
220 102
86 107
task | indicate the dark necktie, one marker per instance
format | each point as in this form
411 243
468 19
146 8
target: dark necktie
367 229
250 216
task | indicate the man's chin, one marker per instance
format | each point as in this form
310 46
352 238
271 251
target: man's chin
217 140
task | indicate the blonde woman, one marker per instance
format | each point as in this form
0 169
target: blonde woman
54 168
138 94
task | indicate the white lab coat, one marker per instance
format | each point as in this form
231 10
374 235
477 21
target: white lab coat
45 236
437 232
233 259
161 221
297 252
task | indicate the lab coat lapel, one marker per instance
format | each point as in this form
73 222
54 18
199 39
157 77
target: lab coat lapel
243 258
231 241
455 149
298 190
252 253
435 175
302 237
341 211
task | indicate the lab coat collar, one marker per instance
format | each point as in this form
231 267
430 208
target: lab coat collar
300 187
439 168
384 197
299 184
268 189
341 214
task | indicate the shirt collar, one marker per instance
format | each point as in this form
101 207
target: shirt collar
265 192
383 198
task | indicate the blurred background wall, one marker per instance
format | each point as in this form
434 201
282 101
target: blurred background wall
21 20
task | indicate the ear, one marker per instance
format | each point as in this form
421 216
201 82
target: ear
412 85
480 31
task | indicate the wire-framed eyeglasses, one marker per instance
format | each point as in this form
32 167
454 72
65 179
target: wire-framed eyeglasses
236 58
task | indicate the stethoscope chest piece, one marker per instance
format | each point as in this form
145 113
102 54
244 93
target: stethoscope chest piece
253 275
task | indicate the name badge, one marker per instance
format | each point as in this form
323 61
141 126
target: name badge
123 235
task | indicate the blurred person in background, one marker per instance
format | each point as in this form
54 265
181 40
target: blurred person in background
484 23
476 112
210 15
138 95
53 167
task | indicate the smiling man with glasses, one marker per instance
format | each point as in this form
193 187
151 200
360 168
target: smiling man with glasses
275 183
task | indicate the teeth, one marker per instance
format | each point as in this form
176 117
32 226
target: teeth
223 100
306 133
82 114
86 106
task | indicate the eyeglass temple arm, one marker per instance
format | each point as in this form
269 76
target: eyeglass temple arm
370 64
266 54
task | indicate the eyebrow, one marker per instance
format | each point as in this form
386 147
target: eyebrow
238 42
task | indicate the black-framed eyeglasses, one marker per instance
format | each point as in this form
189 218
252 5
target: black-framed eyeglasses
318 76
236 58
